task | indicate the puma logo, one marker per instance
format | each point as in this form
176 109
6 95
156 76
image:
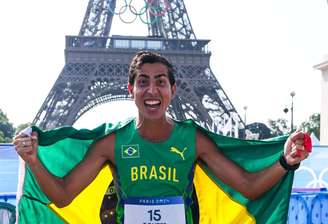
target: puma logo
177 151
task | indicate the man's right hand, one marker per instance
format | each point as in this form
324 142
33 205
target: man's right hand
26 146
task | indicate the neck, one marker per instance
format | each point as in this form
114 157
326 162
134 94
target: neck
154 130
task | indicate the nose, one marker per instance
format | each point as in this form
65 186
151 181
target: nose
152 88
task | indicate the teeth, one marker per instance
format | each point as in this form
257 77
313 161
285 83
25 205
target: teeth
152 102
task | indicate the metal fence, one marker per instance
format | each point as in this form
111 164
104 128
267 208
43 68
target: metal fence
304 207
308 207
308 202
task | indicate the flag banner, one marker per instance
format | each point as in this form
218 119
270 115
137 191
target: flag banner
63 148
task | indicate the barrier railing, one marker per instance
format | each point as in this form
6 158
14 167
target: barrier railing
7 196
306 206
7 210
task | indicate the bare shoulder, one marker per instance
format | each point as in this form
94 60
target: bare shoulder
105 147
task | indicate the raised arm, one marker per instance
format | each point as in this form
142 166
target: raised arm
61 191
250 184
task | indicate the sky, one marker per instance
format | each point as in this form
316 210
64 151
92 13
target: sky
262 50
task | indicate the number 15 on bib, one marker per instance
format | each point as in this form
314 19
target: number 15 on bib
156 210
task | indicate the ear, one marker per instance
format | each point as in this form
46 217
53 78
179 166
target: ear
173 89
130 89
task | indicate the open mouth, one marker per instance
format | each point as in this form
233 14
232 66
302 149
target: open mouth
153 104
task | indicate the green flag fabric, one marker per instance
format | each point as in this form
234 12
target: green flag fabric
63 148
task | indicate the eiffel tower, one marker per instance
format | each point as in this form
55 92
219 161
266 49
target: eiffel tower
96 67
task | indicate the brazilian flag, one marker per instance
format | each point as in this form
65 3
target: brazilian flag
63 148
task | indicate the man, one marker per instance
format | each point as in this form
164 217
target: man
153 157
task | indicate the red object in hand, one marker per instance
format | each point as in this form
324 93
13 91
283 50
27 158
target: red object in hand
307 142
307 145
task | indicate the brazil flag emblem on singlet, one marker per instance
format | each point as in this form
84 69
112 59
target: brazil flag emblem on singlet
130 151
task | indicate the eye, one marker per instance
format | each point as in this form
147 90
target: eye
161 82
142 82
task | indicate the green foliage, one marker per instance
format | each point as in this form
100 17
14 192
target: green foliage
312 125
278 127
2 137
7 129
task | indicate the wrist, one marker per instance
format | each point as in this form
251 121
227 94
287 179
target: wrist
286 166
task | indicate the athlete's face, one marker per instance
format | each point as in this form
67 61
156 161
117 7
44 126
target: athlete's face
152 91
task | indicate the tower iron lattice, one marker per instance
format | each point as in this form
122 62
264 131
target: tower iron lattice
96 68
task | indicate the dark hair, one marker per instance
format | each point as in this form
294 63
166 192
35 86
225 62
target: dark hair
143 57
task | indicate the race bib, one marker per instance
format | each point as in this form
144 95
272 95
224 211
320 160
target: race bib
155 210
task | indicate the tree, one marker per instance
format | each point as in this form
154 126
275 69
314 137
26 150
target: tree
278 127
312 125
7 129
2 137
